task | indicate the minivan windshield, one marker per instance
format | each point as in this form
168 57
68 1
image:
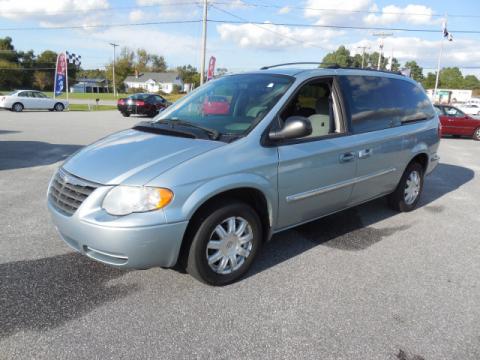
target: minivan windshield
232 105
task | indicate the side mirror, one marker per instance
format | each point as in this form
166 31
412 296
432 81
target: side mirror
294 127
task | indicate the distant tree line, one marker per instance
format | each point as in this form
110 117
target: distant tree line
20 69
450 77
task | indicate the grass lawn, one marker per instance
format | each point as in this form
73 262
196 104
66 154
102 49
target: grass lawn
84 107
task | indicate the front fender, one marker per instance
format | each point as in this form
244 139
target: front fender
217 186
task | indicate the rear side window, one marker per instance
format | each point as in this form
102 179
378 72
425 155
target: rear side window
377 103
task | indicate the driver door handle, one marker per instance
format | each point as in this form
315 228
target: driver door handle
347 157
365 153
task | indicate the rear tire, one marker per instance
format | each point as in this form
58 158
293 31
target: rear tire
219 257
476 134
59 107
407 194
17 107
125 114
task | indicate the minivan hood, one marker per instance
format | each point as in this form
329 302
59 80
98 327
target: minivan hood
133 157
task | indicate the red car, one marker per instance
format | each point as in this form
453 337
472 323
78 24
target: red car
455 122
216 105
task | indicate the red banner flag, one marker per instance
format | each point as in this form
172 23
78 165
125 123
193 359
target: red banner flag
211 68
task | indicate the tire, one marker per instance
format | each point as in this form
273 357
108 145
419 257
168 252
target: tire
231 254
125 114
476 134
407 194
59 107
17 107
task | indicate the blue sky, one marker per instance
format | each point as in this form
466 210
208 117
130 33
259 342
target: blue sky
244 46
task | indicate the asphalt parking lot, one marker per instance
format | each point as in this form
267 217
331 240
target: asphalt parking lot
366 283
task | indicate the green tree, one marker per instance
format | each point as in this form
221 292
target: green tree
451 77
189 74
416 72
124 66
429 81
340 57
471 82
157 63
43 79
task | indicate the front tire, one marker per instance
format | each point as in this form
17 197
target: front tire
476 134
226 240
59 107
125 114
17 107
407 194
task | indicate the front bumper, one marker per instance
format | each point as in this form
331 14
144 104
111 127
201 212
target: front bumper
138 247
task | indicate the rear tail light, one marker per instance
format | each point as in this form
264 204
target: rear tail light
121 102
140 103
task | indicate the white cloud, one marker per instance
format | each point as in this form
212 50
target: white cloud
414 14
275 37
22 9
284 10
137 15
327 12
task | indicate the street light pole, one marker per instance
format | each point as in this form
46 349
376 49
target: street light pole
363 53
382 36
204 44
113 70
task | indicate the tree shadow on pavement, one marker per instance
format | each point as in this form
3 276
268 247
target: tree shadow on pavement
352 230
24 154
46 293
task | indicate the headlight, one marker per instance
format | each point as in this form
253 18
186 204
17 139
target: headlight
124 200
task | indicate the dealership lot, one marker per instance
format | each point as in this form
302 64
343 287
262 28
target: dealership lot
365 283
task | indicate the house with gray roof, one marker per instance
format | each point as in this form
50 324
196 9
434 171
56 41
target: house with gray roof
154 81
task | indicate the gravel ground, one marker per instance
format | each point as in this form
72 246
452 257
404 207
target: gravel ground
366 283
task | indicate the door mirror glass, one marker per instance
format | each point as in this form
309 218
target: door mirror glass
293 128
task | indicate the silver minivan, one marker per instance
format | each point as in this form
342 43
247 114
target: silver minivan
241 158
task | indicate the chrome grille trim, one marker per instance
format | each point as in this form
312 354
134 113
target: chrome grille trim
67 192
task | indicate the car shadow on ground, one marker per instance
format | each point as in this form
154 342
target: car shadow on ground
352 230
41 294
2 132
24 154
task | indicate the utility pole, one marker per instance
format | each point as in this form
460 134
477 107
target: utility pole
444 26
382 36
363 53
113 70
204 44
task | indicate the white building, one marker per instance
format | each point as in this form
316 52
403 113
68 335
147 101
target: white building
448 96
154 82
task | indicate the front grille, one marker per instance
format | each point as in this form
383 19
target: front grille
67 192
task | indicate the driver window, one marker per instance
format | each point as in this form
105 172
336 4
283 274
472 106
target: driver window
316 102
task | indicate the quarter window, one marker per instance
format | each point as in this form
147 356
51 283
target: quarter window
377 103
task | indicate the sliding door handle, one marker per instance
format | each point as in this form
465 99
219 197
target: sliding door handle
347 157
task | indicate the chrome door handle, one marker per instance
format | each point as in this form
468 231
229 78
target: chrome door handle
347 157
365 153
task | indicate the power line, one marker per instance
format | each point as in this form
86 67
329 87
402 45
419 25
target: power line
343 27
252 4
101 25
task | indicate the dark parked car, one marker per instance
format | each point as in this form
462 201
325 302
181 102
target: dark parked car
455 122
142 104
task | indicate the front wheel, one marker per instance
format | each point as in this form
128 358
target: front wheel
225 243
125 114
476 134
59 107
407 194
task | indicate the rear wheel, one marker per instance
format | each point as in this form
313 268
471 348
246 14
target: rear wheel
225 242
476 134
17 107
59 107
407 194
125 114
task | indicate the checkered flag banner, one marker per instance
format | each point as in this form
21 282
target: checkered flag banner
73 58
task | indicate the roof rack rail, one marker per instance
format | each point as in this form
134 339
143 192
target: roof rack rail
329 66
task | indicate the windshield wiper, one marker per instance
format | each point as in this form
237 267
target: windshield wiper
212 133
